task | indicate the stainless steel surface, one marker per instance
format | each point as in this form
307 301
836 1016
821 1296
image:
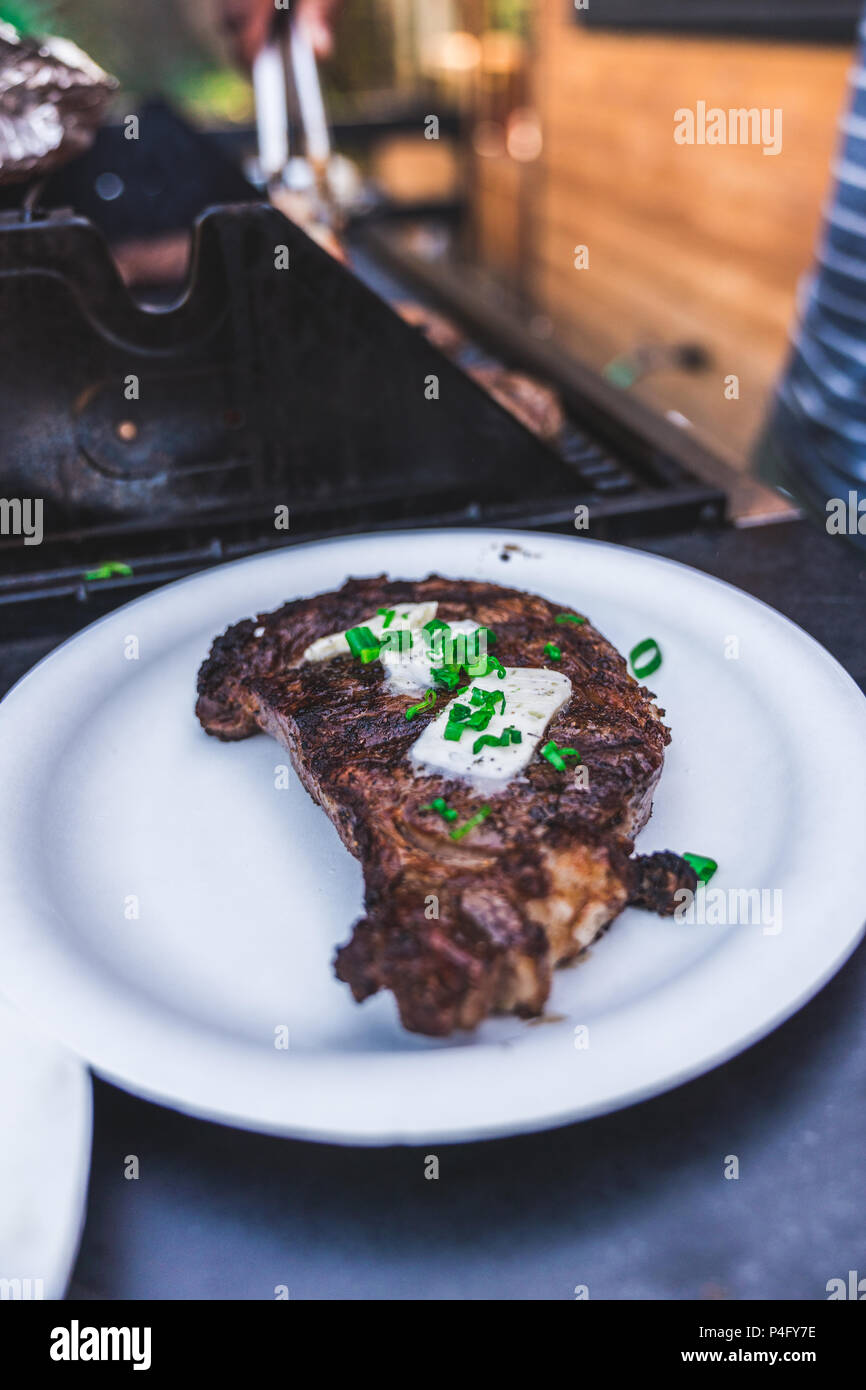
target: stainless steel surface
466 295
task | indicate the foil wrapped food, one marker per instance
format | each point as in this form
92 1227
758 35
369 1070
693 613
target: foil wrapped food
52 99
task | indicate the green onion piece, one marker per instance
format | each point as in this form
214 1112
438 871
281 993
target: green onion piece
388 614
363 644
441 805
480 663
488 697
649 647
428 700
458 714
399 640
459 831
435 625
481 718
476 659
569 618
553 651
557 756
509 735
108 571
449 676
551 753
494 665
458 719
703 866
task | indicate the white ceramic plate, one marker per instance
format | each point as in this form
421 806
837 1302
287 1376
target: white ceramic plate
45 1130
165 907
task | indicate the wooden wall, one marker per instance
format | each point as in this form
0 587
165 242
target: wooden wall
700 243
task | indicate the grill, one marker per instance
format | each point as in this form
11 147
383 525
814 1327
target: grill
278 399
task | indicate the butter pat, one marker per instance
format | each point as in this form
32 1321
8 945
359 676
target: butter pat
411 615
533 696
408 672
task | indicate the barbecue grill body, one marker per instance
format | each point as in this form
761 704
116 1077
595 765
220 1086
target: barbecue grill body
277 376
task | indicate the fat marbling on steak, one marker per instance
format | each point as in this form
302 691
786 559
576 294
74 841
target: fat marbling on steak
534 883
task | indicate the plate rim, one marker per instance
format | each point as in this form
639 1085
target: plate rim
77 1142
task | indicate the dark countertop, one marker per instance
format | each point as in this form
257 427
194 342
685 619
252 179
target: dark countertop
634 1204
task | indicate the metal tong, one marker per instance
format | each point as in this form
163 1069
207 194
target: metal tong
285 70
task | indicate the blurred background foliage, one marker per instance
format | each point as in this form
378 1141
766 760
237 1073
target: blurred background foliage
174 48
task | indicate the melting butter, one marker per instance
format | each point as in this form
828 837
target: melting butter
411 615
408 672
532 697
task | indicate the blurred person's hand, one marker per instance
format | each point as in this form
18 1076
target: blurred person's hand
248 23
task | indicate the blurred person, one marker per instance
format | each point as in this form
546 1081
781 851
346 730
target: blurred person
247 24
814 444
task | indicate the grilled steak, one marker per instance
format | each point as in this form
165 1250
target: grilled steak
457 929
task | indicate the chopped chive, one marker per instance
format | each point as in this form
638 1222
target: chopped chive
476 658
703 866
557 756
650 648
449 676
459 831
399 640
388 614
441 805
509 735
569 618
428 700
108 571
553 651
363 644
434 625
488 697
459 717
462 716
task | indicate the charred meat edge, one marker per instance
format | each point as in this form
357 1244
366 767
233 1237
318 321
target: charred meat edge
457 930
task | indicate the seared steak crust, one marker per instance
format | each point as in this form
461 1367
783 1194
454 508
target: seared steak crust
457 930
